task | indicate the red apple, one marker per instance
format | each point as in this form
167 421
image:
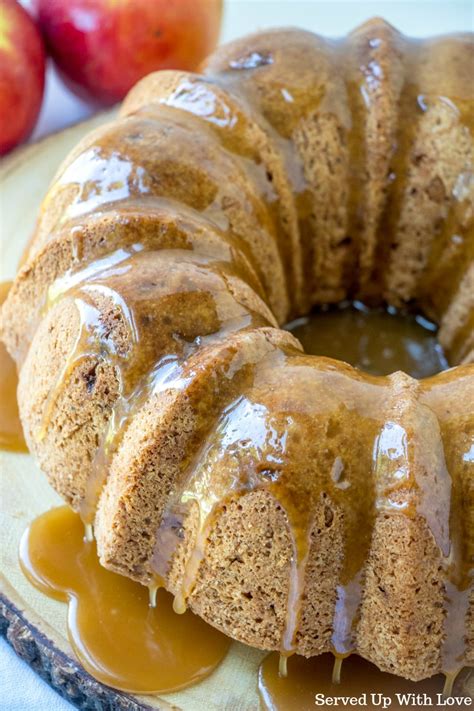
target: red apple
103 47
22 65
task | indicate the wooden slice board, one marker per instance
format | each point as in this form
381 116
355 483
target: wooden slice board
34 624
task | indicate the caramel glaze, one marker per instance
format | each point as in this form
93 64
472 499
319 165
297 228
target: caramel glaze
255 443
184 300
308 677
11 431
116 635
178 326
376 340
376 90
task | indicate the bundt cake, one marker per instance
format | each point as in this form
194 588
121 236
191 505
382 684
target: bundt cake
290 500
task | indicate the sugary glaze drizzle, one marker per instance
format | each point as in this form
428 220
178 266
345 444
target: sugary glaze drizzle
173 243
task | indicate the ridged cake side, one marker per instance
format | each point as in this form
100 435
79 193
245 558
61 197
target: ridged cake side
294 502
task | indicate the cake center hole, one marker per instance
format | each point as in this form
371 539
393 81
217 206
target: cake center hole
378 341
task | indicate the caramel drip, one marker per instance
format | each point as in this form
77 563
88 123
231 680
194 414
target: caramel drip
11 431
308 677
346 611
456 426
407 448
283 665
419 473
337 668
118 638
458 600
136 336
230 465
449 681
234 462
152 594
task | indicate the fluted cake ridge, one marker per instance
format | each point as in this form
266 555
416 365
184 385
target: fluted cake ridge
290 500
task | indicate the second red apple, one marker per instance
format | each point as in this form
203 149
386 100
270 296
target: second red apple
103 47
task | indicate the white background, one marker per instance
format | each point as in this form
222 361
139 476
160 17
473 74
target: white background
20 688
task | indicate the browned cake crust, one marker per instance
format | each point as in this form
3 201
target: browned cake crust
293 502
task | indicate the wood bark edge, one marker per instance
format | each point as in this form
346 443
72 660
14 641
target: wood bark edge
63 674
